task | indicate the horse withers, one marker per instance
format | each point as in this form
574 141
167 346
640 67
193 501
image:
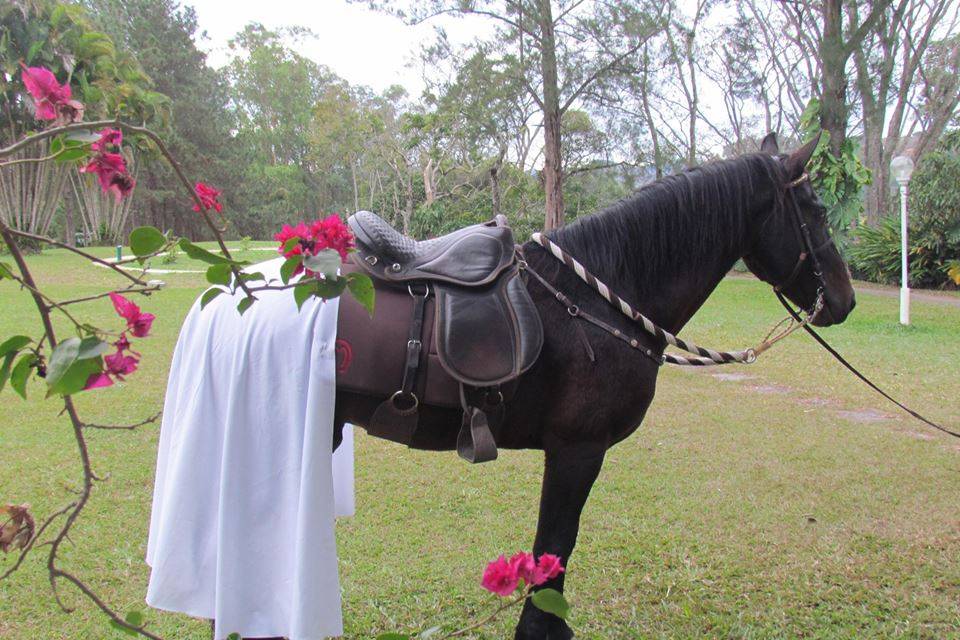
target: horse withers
663 249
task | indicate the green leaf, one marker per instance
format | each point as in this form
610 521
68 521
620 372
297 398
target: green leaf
551 601
135 618
146 240
201 254
62 358
245 304
70 155
209 295
220 274
288 267
75 378
56 145
290 244
252 277
361 287
119 627
326 262
5 368
234 636
14 344
303 291
91 347
328 289
6 271
393 636
21 373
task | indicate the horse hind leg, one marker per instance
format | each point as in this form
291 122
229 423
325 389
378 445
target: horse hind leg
569 474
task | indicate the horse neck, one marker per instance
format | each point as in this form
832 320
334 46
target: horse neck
672 295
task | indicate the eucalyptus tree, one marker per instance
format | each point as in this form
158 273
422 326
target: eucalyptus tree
564 48
899 66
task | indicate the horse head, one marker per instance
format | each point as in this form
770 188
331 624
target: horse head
794 250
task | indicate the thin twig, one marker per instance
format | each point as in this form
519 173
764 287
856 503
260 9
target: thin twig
123 427
476 625
142 290
52 156
79 252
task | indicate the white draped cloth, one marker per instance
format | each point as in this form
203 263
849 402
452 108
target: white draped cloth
242 528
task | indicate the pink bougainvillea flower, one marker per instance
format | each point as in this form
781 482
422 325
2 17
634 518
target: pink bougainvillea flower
548 568
525 566
208 197
333 233
328 233
116 366
108 138
119 364
52 100
111 171
138 322
500 577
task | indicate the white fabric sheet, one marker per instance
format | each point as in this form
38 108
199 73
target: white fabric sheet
242 528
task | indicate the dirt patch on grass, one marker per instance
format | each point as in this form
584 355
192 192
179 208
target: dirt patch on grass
864 415
815 401
767 388
732 377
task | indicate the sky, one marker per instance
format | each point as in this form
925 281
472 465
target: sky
360 45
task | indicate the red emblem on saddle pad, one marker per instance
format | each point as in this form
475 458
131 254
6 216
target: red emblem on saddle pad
344 353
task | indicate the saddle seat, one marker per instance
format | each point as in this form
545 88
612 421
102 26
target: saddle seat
469 257
462 303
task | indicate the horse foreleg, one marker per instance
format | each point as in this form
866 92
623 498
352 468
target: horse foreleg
569 474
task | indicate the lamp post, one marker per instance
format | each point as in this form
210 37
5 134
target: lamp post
902 167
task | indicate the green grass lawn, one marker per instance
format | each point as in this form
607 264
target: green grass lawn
790 503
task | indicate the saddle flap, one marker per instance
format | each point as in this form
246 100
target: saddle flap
487 336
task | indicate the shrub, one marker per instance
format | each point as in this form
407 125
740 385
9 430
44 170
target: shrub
934 225
875 255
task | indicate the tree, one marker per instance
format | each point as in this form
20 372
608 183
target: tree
199 123
891 63
564 48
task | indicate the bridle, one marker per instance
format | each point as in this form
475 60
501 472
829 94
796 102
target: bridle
807 250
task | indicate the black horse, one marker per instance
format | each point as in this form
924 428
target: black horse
664 250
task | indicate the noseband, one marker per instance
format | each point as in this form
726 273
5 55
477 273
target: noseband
807 250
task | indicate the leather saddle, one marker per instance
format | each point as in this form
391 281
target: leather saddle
453 326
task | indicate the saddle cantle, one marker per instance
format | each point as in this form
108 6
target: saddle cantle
462 297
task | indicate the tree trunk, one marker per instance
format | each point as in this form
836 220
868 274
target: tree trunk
356 191
875 196
69 229
552 160
648 114
833 105
429 192
408 208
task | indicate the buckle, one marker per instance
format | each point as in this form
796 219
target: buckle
426 289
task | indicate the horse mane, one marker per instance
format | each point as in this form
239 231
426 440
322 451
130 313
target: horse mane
678 221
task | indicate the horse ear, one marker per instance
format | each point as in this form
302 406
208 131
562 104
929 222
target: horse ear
797 162
769 144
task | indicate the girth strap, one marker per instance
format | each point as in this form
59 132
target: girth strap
396 417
